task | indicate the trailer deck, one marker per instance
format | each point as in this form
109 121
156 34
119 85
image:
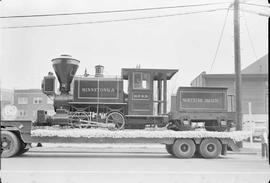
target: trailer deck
146 133
56 135
16 138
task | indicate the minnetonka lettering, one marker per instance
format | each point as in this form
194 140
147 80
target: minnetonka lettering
200 100
103 90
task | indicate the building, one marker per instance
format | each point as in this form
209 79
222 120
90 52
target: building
28 101
6 98
254 88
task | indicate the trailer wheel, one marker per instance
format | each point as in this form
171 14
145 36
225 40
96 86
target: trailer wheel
117 119
184 148
169 149
210 148
10 144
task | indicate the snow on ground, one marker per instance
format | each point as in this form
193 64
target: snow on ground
101 133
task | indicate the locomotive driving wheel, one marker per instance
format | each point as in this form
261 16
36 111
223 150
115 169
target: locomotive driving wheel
77 117
117 118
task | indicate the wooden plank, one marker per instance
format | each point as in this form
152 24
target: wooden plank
106 140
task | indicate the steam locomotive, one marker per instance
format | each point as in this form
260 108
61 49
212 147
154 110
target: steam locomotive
100 101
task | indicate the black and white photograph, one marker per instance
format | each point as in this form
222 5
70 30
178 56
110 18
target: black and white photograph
134 91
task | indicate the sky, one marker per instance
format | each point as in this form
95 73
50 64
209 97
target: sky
186 42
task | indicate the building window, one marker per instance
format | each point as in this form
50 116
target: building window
37 100
22 113
22 100
141 80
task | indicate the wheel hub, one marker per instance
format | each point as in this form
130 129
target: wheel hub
5 143
211 147
184 148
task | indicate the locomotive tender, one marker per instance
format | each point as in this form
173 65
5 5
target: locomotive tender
193 106
96 100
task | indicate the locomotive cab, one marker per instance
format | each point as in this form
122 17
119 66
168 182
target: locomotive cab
147 95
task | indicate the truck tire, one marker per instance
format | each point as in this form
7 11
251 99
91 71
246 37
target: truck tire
10 144
210 148
183 148
169 149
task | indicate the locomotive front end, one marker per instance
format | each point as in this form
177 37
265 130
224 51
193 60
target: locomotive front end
65 68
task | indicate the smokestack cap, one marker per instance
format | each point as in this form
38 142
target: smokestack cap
66 58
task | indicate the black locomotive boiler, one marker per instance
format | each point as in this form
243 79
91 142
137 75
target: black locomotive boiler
100 101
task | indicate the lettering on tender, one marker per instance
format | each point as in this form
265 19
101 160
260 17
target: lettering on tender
200 100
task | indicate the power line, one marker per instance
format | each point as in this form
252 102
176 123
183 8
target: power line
220 39
113 20
259 5
111 11
250 40
254 12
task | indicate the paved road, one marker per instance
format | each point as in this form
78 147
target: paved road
129 164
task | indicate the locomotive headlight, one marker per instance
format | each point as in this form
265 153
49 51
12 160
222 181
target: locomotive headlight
223 123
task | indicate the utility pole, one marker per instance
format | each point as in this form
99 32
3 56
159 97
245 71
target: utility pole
237 65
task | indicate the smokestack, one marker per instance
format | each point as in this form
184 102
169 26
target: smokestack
65 68
99 70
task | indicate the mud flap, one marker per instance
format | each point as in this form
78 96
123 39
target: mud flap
224 149
229 144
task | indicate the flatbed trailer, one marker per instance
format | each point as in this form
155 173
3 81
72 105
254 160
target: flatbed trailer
17 136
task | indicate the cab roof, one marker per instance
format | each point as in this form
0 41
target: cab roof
156 73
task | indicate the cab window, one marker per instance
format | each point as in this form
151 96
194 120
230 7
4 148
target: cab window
141 80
